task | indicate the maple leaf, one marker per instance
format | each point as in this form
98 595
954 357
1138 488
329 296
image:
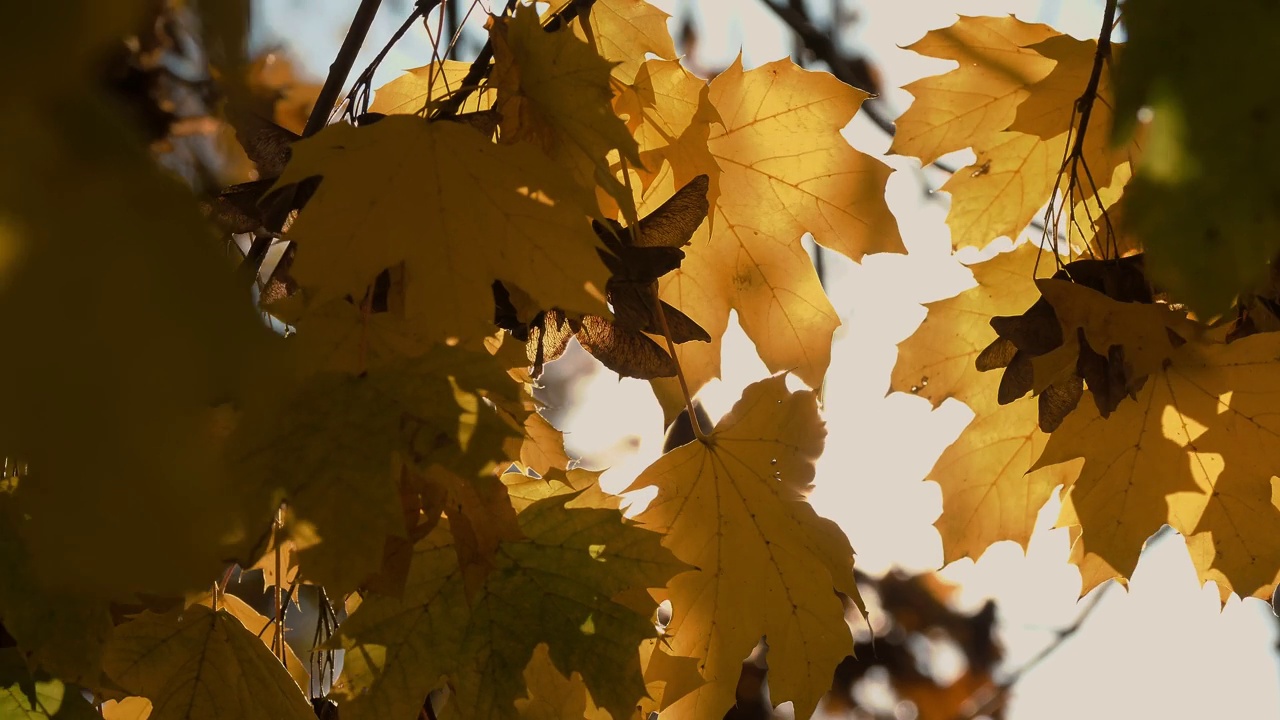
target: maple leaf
552 696
1194 450
669 112
937 361
262 627
786 170
668 677
733 507
1002 190
338 443
121 421
987 493
971 104
130 708
494 212
625 32
554 92
556 587
583 487
35 696
1012 100
419 88
1199 202
198 664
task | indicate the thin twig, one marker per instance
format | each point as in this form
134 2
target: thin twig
482 65
824 47
361 86
338 71
1001 693
476 74
1100 57
341 66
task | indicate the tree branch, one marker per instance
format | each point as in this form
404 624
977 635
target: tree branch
341 66
1001 694
1085 102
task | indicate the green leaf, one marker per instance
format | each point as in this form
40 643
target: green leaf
131 351
338 442
563 586
1203 199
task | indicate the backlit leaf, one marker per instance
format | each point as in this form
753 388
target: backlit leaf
202 665
733 507
786 170
462 214
557 587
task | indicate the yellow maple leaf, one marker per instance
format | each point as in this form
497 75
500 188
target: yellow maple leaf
999 194
1012 100
937 361
670 113
1195 450
785 170
733 507
198 664
418 87
554 92
625 32
456 209
263 628
987 493
977 100
667 677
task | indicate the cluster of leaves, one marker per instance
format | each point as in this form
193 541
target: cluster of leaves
574 179
1178 432
580 174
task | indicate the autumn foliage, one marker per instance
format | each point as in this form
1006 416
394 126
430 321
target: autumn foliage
364 428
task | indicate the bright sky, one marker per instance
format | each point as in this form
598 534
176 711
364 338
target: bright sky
1163 649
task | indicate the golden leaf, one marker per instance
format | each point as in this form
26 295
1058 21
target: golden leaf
1003 189
937 361
1195 450
463 213
786 170
625 32
971 104
987 494
417 89
202 665
554 92
733 507
552 696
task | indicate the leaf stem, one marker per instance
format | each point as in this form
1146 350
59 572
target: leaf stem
671 348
